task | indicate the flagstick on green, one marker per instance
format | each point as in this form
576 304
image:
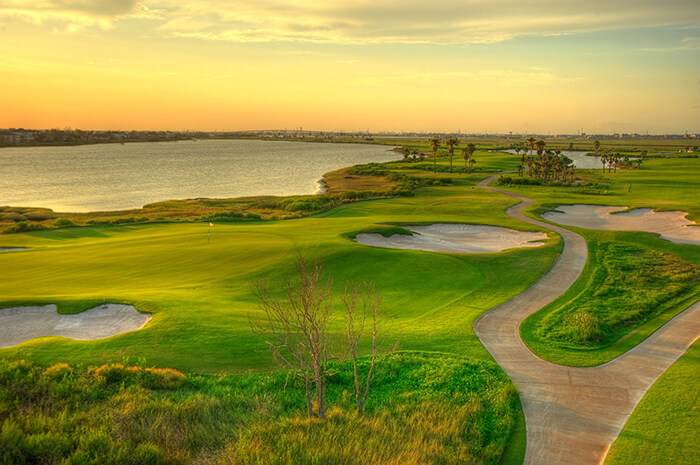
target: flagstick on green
209 234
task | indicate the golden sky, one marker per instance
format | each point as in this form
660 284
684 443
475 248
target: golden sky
556 66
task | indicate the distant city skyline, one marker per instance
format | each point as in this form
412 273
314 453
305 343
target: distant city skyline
542 67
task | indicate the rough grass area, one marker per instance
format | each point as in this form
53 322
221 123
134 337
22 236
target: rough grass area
632 284
424 409
28 219
664 426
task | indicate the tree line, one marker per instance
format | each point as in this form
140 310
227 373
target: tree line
450 143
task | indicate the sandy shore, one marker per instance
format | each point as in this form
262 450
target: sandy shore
456 238
20 324
672 226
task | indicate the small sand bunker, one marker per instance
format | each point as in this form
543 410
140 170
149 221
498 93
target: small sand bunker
12 249
20 324
457 238
672 226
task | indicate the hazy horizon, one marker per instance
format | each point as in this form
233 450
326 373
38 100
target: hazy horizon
480 67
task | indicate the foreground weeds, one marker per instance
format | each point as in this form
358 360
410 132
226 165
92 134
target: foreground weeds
425 409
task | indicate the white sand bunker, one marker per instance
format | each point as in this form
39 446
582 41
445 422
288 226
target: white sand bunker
12 249
672 226
457 238
20 324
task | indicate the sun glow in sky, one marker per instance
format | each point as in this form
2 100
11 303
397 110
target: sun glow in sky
555 66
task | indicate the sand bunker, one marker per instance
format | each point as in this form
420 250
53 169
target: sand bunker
12 249
458 238
20 324
672 226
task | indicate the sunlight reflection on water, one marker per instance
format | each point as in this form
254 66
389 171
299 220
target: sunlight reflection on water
116 176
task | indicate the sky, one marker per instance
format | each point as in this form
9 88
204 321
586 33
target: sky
475 66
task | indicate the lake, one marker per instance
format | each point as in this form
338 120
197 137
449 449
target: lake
123 176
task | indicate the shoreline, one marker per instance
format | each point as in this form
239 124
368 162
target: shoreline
21 219
320 190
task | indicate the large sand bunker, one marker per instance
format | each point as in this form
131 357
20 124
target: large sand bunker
20 324
672 226
457 238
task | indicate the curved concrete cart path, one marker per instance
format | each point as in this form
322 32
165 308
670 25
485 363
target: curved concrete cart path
573 415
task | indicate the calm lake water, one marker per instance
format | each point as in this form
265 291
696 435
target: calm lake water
116 177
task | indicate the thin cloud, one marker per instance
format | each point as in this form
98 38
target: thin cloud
362 22
501 77
687 44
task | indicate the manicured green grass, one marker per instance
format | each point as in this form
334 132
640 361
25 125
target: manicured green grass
664 426
517 445
425 409
201 293
667 184
631 285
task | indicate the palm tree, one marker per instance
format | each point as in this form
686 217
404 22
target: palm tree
540 147
531 142
451 143
406 152
616 161
467 153
603 160
471 163
596 144
520 170
435 144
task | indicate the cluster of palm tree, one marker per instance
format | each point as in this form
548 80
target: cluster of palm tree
615 161
451 143
412 154
547 165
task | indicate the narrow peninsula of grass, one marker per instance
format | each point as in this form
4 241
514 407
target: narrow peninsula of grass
424 409
631 285
664 426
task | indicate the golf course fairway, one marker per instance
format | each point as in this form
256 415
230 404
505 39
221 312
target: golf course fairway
198 287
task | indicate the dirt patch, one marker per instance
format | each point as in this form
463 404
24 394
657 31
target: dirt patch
456 238
20 324
672 226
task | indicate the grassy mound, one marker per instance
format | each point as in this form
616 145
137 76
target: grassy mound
632 284
424 409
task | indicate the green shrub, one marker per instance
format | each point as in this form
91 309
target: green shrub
63 223
231 216
163 378
303 205
23 226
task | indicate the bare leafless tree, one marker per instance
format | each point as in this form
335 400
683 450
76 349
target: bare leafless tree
295 326
361 302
